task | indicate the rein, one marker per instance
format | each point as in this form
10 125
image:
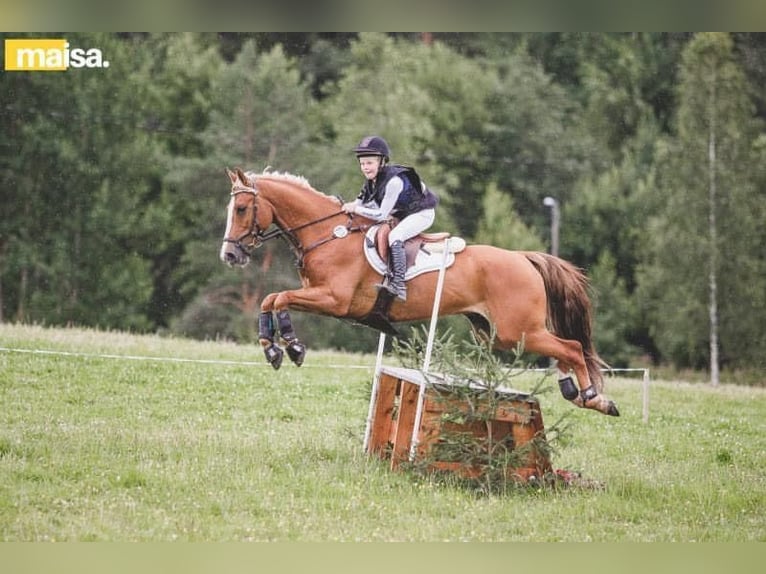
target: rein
259 237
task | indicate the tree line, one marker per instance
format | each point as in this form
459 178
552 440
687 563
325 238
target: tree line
114 192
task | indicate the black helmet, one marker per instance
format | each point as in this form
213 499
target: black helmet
373 145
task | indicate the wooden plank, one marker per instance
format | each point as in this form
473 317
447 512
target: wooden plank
511 411
382 418
430 428
405 422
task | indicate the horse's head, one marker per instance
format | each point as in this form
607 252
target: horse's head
247 219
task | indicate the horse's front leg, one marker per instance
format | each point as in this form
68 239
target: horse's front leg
275 318
295 349
267 331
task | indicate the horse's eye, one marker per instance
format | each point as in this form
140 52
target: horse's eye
241 210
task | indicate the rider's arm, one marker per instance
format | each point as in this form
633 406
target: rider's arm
350 207
393 188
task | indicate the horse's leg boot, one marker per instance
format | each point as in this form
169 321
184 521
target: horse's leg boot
266 328
274 355
296 351
266 331
568 388
285 325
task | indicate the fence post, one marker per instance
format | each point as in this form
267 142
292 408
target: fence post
429 348
375 384
645 388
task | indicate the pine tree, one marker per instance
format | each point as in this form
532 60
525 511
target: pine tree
696 252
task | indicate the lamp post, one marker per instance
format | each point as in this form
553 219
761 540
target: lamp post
555 221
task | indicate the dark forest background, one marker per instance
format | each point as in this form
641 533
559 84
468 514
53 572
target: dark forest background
113 190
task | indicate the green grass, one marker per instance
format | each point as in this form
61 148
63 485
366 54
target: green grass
130 449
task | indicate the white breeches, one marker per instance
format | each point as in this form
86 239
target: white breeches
411 225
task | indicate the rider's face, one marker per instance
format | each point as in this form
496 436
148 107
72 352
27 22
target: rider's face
369 165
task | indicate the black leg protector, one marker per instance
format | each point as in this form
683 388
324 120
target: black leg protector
274 356
266 331
266 328
295 349
588 394
568 388
285 325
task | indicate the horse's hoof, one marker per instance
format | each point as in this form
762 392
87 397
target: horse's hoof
297 352
274 356
599 403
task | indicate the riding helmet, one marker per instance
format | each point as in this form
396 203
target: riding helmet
373 145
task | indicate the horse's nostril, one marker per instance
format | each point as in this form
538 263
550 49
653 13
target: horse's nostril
230 257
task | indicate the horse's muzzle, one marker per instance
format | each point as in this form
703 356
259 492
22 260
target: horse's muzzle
233 255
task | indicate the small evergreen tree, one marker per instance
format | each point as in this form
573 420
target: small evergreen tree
475 382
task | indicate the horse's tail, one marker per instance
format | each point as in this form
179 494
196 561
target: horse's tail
569 307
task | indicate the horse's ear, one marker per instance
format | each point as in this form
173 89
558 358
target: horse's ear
232 175
242 177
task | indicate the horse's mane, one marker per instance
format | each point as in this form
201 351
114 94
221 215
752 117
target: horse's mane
299 180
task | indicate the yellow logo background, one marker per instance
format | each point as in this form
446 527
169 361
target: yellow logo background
33 54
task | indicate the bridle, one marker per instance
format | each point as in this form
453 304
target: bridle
255 232
259 236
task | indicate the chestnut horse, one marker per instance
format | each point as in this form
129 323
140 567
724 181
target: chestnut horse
520 294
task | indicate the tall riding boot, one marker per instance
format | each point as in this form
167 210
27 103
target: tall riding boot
398 267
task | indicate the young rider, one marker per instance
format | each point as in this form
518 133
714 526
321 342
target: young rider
392 191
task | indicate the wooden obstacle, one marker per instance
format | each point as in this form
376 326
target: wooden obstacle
412 415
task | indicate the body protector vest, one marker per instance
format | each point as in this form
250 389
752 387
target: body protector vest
413 198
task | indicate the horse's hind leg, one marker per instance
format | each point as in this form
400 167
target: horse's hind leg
569 355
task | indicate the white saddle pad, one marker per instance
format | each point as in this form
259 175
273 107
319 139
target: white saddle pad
429 258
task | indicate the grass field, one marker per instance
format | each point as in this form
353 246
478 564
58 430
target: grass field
98 441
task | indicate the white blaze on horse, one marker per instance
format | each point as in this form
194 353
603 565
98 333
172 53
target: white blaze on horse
521 294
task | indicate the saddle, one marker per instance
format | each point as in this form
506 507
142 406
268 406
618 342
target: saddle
424 251
411 246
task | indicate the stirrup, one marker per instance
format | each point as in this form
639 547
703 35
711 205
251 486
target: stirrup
400 294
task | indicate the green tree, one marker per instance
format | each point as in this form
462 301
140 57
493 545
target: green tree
615 314
85 159
701 254
378 94
261 117
533 144
502 227
609 210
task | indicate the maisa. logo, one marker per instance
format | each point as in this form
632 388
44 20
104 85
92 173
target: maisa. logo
49 55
